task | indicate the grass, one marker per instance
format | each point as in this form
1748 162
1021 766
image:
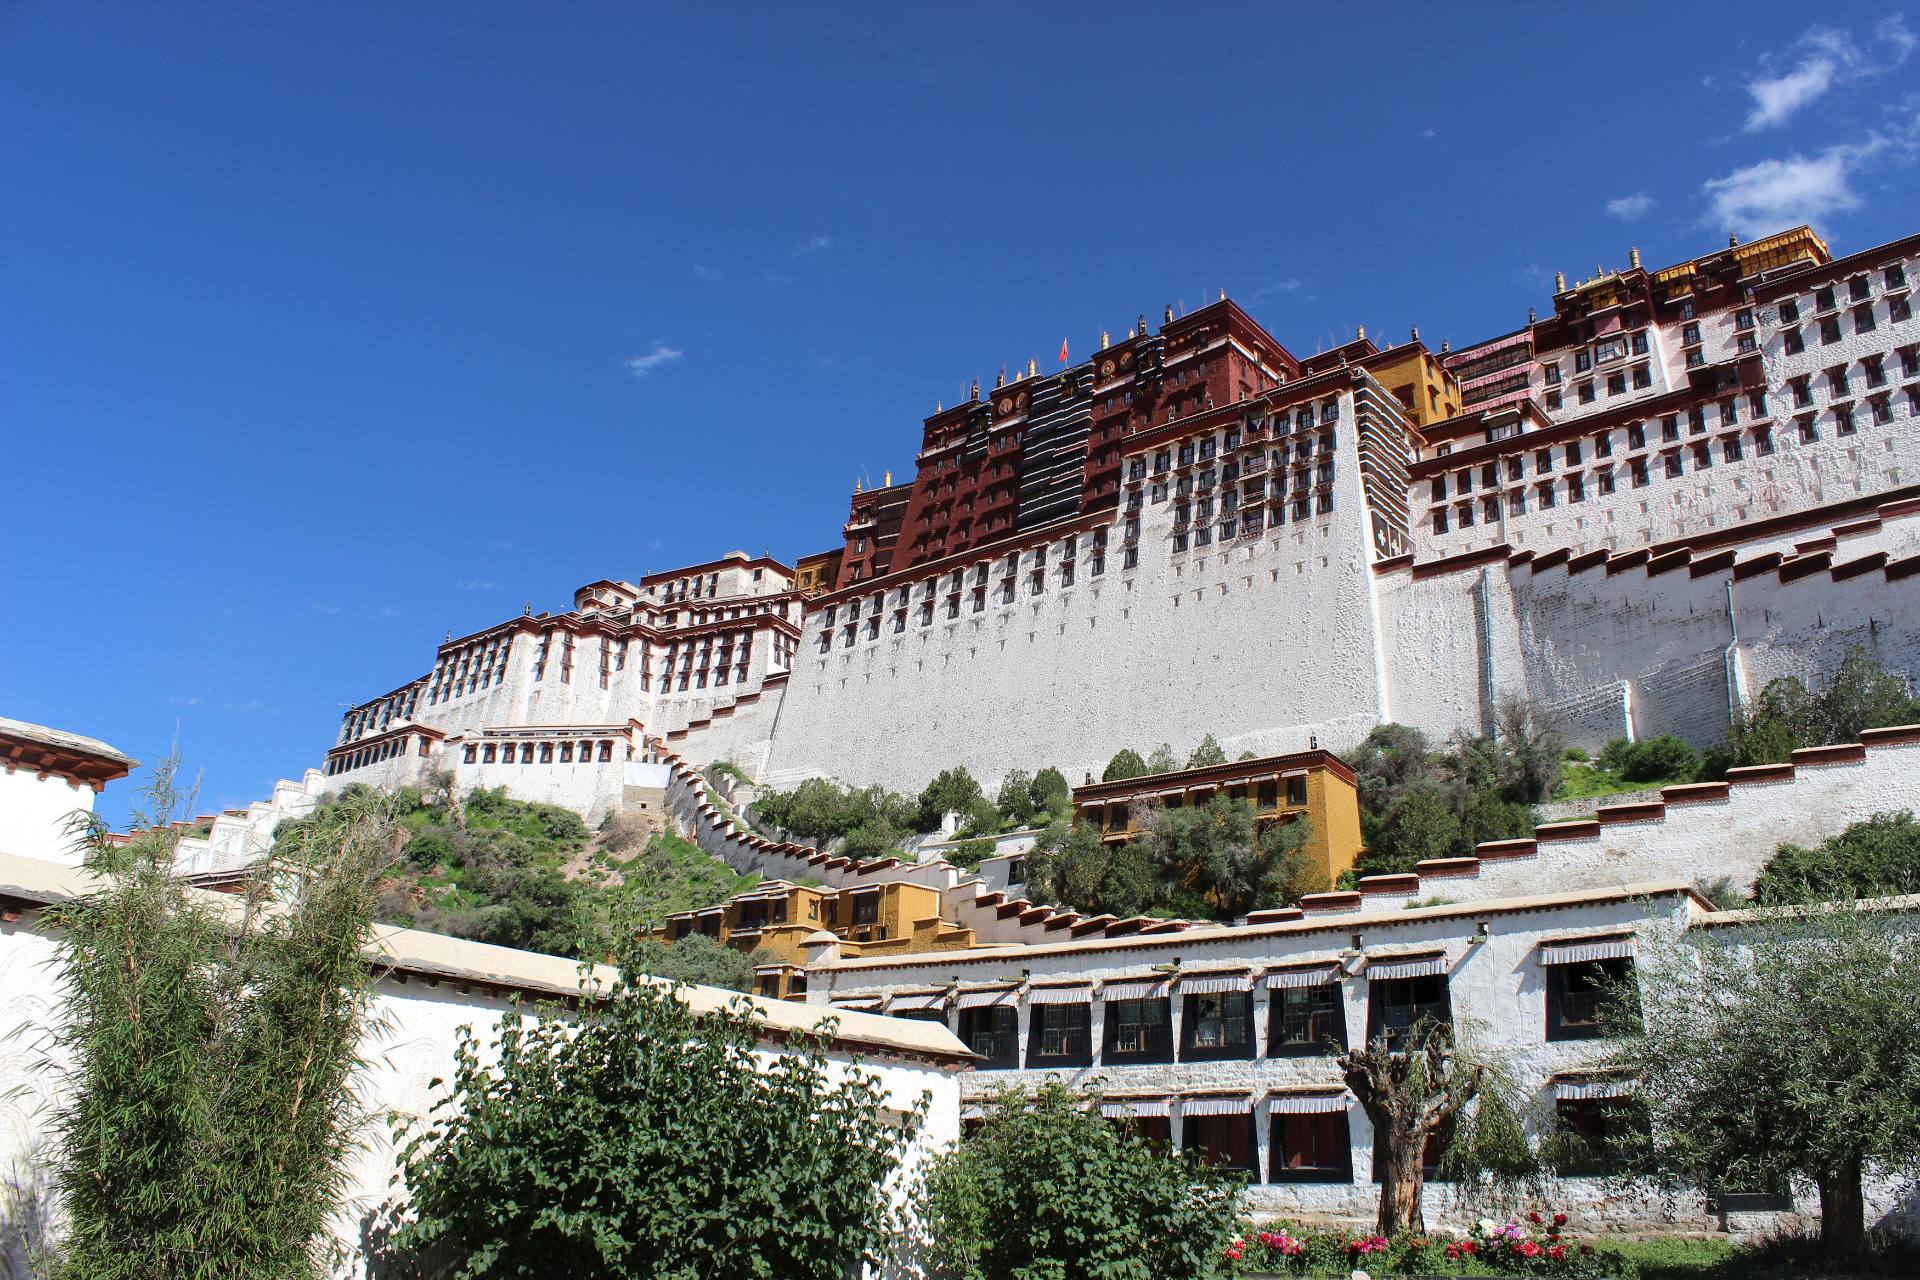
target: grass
1591 781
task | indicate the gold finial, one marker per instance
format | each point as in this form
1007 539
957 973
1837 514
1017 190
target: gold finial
1223 295
1360 333
1532 316
1559 282
1033 367
858 487
1633 257
886 481
1446 347
1733 240
1167 316
1000 379
528 611
939 406
1105 340
975 393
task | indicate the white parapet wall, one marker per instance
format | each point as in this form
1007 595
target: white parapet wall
429 989
1702 833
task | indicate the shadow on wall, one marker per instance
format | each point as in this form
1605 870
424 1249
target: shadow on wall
26 1220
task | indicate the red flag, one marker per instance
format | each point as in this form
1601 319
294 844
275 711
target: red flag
1063 351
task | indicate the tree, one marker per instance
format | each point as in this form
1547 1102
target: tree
1789 1045
1015 801
1067 865
1209 752
700 960
1875 858
1126 763
1411 1089
1532 750
1217 851
1860 694
1052 797
1162 759
639 1139
1048 1188
209 1118
951 791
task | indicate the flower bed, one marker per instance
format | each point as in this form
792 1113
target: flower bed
1531 1244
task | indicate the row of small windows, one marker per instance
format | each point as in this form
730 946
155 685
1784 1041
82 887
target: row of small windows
347 762
708 658
377 716
585 751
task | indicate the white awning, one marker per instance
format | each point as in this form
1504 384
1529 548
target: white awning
711 911
1409 967
1578 950
1202 984
1312 977
854 1002
1119 1107
983 999
1314 1104
1293 773
1238 1106
937 1000
1594 1087
1060 995
973 1111
1151 989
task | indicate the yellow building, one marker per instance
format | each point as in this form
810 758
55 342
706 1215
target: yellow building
776 916
1315 785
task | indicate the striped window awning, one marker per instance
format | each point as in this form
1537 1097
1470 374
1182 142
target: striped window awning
1238 1105
1081 994
1308 1104
1173 791
1263 777
1575 1090
1579 950
711 911
899 1004
986 999
1121 1107
1309 977
1407 967
854 1002
1150 989
1202 984
972 1111
1293 773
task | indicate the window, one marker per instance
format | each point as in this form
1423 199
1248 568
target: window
1882 408
1226 1142
1858 289
1909 361
1314 1147
1670 428
1516 467
1577 994
1605 480
994 1034
1582 361
1829 330
1823 299
1729 412
1640 342
1517 502
1636 435
1576 489
1762 441
1802 392
1573 453
1794 343
1876 371
1757 403
1545 491
1489 509
1396 1005
1060 1035
1690 334
1837 380
1465 515
1863 318
1642 377
1551 372
1139 1030
1217 1025
1671 461
1543 460
1585 390
1597 1133
1899 309
1808 432
1896 276
1702 455
1307 1021
1789 310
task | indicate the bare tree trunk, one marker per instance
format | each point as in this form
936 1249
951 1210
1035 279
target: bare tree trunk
1843 1210
1402 1178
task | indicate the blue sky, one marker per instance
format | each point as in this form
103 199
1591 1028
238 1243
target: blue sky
326 329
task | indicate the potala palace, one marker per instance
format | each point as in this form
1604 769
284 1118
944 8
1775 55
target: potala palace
1634 511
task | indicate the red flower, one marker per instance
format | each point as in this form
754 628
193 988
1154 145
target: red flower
1559 1219
1533 1217
1586 1250
1528 1249
1558 1252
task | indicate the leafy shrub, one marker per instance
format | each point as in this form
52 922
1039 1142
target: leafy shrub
1860 694
1878 857
1662 759
1047 1187
969 854
1126 763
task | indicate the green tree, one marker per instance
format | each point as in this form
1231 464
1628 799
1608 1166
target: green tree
1047 1188
1126 763
700 960
1015 800
1422 825
951 791
1875 858
1217 851
209 1118
1412 1091
1209 752
1664 758
1067 865
1531 750
639 1139
1052 797
1162 760
1808 1013
1860 694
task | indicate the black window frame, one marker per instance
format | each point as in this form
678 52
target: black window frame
1236 1007
1595 978
1440 1011
1278 1172
1079 1035
1326 1002
1160 1052
1252 1167
1006 1057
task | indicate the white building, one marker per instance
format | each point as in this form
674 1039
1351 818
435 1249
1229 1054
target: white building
49 781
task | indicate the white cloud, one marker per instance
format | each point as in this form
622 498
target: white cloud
812 244
1774 194
1272 287
661 353
479 584
1631 208
1426 133
1819 61
709 274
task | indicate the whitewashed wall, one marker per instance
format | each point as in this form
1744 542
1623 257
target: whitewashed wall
35 812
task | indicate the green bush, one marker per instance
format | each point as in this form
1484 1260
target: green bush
1126 763
1048 1188
1662 759
969 854
1875 858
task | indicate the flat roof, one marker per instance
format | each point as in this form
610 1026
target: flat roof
1201 775
415 952
61 740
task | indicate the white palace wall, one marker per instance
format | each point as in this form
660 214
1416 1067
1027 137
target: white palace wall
1265 643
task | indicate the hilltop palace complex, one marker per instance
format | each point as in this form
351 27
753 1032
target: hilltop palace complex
1634 511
